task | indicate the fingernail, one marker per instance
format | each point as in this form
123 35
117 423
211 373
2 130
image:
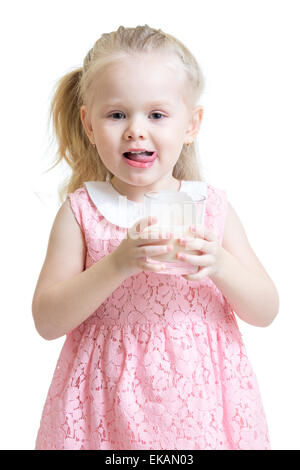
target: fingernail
169 248
193 228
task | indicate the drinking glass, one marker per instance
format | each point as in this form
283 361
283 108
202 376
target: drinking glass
175 212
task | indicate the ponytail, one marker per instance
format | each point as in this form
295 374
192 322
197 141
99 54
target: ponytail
73 145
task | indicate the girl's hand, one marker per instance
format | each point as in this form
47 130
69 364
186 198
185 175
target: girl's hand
209 258
131 256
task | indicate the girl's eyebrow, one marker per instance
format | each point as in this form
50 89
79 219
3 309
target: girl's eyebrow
165 104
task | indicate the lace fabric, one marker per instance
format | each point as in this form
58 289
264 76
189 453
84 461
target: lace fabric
159 365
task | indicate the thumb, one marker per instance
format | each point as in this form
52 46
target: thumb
139 226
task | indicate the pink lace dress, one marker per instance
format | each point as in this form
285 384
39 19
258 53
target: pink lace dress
160 364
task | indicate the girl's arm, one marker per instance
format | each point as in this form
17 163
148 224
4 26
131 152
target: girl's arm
65 294
241 277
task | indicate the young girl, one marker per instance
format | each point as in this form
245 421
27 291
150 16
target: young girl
151 360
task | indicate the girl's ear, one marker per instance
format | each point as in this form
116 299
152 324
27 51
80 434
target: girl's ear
86 123
195 122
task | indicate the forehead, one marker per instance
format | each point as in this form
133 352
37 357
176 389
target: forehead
142 77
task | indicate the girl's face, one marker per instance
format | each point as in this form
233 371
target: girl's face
139 103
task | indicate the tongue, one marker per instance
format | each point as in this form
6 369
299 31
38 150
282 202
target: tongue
140 157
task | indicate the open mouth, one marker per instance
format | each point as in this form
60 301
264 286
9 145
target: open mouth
143 157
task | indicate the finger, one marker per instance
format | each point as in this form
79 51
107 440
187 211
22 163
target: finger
153 250
210 235
203 272
202 231
147 265
196 244
145 222
197 260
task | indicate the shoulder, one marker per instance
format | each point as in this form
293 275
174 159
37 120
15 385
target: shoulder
80 204
233 229
65 226
216 197
234 238
216 209
78 196
236 242
212 189
66 251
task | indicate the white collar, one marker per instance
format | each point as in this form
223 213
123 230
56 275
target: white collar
123 212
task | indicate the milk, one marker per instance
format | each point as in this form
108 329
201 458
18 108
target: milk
175 212
156 230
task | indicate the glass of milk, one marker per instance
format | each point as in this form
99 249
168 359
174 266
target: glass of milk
175 212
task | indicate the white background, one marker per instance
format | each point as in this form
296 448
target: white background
249 145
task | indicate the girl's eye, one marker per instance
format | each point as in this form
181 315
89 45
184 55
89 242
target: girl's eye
116 114
157 114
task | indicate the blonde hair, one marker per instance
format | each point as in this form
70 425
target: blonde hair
72 91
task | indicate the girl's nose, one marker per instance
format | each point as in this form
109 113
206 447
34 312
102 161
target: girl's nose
135 131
